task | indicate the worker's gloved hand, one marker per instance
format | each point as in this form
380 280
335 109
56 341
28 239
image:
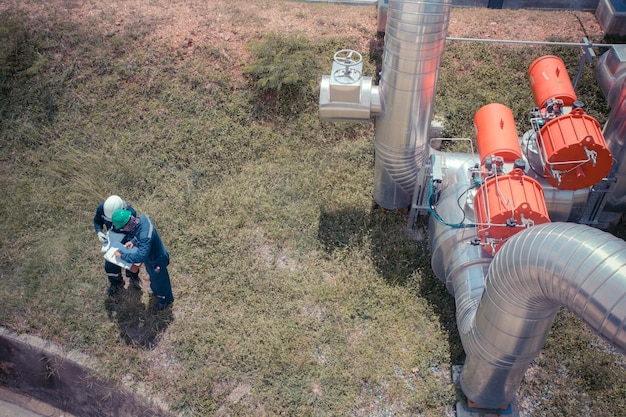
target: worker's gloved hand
102 237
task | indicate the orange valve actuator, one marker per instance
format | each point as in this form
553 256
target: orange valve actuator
505 204
496 133
574 150
548 79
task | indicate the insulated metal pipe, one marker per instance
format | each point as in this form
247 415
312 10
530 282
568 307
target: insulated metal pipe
615 135
535 273
611 76
463 267
505 305
414 41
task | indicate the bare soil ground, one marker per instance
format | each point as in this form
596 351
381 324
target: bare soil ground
228 25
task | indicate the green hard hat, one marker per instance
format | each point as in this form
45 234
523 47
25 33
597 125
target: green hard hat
120 218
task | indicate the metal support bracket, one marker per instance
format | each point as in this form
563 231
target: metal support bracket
586 58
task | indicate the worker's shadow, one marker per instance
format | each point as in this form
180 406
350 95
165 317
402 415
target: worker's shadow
139 325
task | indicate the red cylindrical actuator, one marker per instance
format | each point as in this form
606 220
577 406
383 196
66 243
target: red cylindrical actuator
548 79
576 154
505 204
496 133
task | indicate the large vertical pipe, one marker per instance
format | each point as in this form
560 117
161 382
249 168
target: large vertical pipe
414 41
615 136
611 76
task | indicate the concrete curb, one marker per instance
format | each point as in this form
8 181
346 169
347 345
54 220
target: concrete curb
65 380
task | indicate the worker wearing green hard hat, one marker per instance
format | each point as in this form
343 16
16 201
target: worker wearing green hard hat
120 218
103 225
151 252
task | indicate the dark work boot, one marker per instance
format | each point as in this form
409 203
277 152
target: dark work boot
161 304
114 274
133 278
113 289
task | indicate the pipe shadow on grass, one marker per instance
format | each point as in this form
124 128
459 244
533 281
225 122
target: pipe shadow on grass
138 325
399 259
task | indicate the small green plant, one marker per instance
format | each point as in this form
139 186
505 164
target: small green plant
283 69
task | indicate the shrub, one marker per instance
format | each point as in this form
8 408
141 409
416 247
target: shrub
284 69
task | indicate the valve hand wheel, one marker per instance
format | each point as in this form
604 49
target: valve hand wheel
348 57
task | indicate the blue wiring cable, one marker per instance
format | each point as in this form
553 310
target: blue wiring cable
437 217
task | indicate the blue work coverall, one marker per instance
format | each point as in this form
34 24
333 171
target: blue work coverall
152 253
114 272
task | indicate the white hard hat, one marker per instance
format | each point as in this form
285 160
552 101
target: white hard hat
112 204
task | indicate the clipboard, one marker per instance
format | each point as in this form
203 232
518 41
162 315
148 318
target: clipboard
112 245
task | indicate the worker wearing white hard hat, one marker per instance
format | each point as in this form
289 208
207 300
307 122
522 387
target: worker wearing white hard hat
102 223
111 204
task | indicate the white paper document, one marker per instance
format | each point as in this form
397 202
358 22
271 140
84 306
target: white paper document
112 245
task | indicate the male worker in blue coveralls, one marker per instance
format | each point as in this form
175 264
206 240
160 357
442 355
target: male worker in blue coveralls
102 220
150 251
